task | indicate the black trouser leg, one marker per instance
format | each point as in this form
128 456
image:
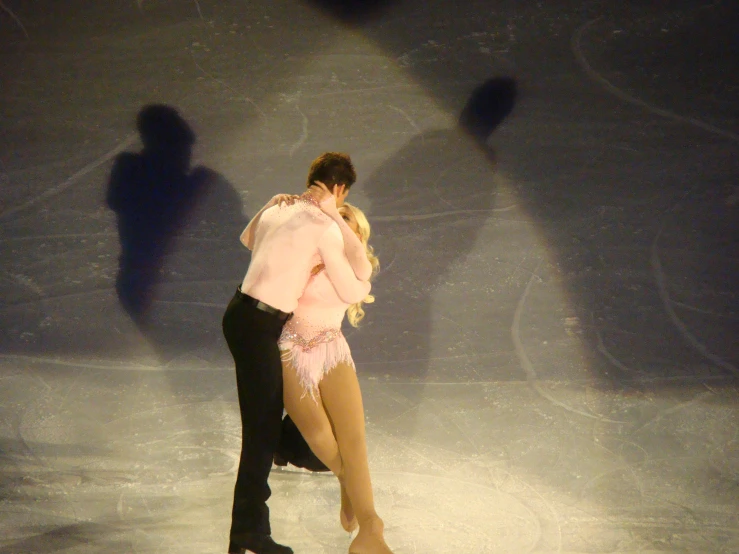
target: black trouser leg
252 339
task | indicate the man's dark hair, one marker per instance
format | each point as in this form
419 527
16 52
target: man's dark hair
332 168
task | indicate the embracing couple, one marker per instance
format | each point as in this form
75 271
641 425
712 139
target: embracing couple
311 264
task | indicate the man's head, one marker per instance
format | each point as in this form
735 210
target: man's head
333 169
167 136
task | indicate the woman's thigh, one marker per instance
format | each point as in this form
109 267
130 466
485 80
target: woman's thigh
342 399
308 414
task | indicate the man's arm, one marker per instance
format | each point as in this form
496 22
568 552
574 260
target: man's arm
348 286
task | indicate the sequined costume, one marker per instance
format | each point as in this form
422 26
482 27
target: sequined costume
312 340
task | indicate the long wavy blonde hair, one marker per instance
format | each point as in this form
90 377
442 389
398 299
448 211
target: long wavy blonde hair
355 312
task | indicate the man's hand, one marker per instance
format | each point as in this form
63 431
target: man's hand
327 199
286 199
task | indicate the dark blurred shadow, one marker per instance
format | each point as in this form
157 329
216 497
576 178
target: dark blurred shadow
106 536
354 11
429 202
488 106
179 232
56 539
151 193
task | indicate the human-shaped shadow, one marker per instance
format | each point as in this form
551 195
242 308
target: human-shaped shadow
173 220
423 221
151 193
428 205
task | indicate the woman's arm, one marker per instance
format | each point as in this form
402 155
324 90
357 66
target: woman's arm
348 286
355 250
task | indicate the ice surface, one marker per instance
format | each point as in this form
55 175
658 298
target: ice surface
551 362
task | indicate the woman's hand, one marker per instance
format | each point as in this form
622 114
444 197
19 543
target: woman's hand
327 199
286 199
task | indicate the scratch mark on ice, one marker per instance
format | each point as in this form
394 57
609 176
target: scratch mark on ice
64 185
421 217
408 118
229 87
14 17
610 87
659 276
526 364
303 135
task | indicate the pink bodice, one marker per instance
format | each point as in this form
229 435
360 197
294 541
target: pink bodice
320 310
312 341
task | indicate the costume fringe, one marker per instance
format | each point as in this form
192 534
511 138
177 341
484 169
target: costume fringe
314 363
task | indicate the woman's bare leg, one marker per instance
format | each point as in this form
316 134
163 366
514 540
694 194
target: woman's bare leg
342 399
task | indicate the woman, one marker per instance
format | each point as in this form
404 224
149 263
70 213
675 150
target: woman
322 394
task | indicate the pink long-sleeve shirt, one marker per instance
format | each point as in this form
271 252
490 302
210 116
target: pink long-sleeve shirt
287 242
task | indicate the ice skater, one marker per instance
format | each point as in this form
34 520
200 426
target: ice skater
321 390
288 237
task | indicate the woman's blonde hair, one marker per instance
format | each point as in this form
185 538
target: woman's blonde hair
355 312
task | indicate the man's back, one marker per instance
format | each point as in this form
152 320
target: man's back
285 250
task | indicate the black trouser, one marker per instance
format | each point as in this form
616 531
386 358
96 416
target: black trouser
252 337
292 443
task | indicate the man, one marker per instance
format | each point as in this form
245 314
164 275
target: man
288 237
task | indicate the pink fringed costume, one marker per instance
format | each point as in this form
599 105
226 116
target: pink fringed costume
312 340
